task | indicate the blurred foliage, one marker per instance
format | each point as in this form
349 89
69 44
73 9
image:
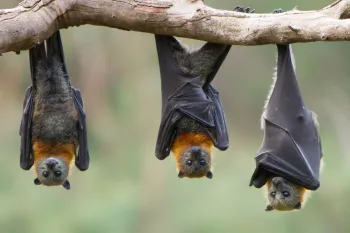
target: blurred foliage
126 188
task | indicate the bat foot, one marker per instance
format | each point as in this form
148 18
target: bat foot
276 11
243 9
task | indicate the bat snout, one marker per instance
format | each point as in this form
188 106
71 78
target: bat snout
196 150
277 181
51 163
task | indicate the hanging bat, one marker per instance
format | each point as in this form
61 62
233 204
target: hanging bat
289 159
193 120
53 127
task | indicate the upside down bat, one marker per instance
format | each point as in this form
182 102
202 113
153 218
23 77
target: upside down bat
289 159
53 127
193 120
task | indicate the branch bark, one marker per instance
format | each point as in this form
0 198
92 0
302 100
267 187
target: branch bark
35 20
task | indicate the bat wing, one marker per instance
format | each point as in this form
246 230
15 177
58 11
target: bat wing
221 52
291 147
83 158
184 96
37 57
189 101
221 140
26 156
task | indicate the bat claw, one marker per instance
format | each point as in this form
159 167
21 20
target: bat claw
243 9
276 11
237 8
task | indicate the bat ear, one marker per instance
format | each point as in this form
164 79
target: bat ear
181 174
37 181
297 206
209 175
269 208
66 185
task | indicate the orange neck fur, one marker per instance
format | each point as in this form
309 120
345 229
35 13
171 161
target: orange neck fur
64 152
303 194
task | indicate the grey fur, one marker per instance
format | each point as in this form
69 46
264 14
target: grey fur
186 124
53 119
198 62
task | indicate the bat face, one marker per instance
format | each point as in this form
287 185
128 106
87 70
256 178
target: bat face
192 152
194 162
283 195
52 171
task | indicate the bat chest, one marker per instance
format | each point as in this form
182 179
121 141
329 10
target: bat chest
187 125
55 118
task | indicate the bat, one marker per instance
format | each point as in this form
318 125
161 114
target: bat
289 159
53 127
193 119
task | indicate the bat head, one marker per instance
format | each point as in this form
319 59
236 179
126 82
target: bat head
52 171
195 162
284 195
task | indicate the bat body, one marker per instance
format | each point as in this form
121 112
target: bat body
193 120
53 128
289 160
192 116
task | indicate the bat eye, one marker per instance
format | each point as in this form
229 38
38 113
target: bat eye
273 194
45 173
286 194
202 162
58 173
189 162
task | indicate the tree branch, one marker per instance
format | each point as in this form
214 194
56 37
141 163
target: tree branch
35 20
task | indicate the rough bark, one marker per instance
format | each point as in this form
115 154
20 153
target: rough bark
35 20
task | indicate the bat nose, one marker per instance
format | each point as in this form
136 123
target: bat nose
196 150
276 181
51 163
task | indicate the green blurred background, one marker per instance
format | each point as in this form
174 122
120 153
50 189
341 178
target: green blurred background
127 189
